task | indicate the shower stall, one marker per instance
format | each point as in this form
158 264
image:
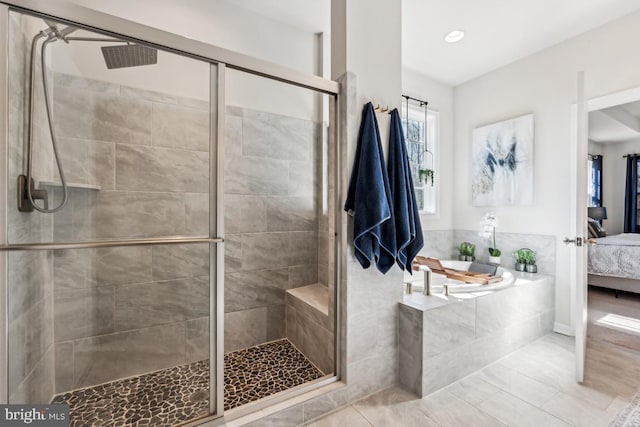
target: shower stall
170 209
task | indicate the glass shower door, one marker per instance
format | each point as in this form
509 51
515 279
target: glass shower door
112 298
279 240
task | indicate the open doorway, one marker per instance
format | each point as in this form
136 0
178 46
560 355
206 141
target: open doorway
613 265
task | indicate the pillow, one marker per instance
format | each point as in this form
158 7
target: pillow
595 229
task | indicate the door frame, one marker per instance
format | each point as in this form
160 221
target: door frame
579 290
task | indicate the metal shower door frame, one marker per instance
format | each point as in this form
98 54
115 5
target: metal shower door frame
219 60
4 172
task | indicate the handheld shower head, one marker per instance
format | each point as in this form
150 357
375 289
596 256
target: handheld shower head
129 55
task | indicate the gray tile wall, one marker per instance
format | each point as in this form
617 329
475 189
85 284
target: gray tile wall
443 244
124 311
30 285
545 247
153 173
272 192
309 326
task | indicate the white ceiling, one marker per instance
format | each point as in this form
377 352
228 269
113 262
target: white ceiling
498 32
615 124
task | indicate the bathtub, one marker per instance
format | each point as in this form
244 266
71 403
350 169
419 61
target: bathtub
442 338
456 286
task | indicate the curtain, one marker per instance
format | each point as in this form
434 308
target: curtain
631 196
596 177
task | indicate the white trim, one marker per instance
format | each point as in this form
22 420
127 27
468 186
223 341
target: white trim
563 329
578 300
614 99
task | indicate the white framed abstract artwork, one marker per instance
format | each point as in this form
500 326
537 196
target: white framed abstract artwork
502 163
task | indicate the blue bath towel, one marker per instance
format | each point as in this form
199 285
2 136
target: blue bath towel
369 199
406 215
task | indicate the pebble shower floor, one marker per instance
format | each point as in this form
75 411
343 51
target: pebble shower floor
181 393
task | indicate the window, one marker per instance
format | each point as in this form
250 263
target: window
595 181
421 135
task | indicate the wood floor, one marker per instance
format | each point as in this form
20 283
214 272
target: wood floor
532 387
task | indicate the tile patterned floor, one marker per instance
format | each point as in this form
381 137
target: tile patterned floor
535 386
175 395
261 371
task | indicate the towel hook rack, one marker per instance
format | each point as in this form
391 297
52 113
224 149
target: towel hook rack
380 109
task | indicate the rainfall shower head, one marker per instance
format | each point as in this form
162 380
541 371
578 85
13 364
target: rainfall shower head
129 55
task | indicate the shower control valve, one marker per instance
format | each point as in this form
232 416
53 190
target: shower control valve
24 204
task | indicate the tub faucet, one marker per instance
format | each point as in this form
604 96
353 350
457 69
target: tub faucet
407 289
427 281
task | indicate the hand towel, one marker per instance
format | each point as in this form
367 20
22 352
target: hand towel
369 198
406 215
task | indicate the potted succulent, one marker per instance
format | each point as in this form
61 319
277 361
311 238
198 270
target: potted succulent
531 262
467 251
426 175
521 259
489 223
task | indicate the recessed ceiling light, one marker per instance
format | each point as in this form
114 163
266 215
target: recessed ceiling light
454 36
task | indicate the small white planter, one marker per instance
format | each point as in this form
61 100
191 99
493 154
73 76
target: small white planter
494 260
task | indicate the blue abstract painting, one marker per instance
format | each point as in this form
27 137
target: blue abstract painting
502 163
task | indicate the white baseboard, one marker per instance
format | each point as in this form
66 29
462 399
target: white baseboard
563 329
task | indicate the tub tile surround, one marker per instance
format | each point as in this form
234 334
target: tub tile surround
442 342
443 244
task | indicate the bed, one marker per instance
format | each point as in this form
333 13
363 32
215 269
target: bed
614 262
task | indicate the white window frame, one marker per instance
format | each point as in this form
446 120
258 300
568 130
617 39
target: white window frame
432 136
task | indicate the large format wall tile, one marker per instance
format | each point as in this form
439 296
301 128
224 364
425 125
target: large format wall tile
180 127
245 328
161 169
197 340
88 162
197 214
111 214
303 179
29 280
67 81
278 137
83 313
508 243
30 336
275 250
103 358
38 385
256 176
85 268
102 117
148 95
178 261
232 253
63 367
155 303
291 214
449 327
246 290
245 214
